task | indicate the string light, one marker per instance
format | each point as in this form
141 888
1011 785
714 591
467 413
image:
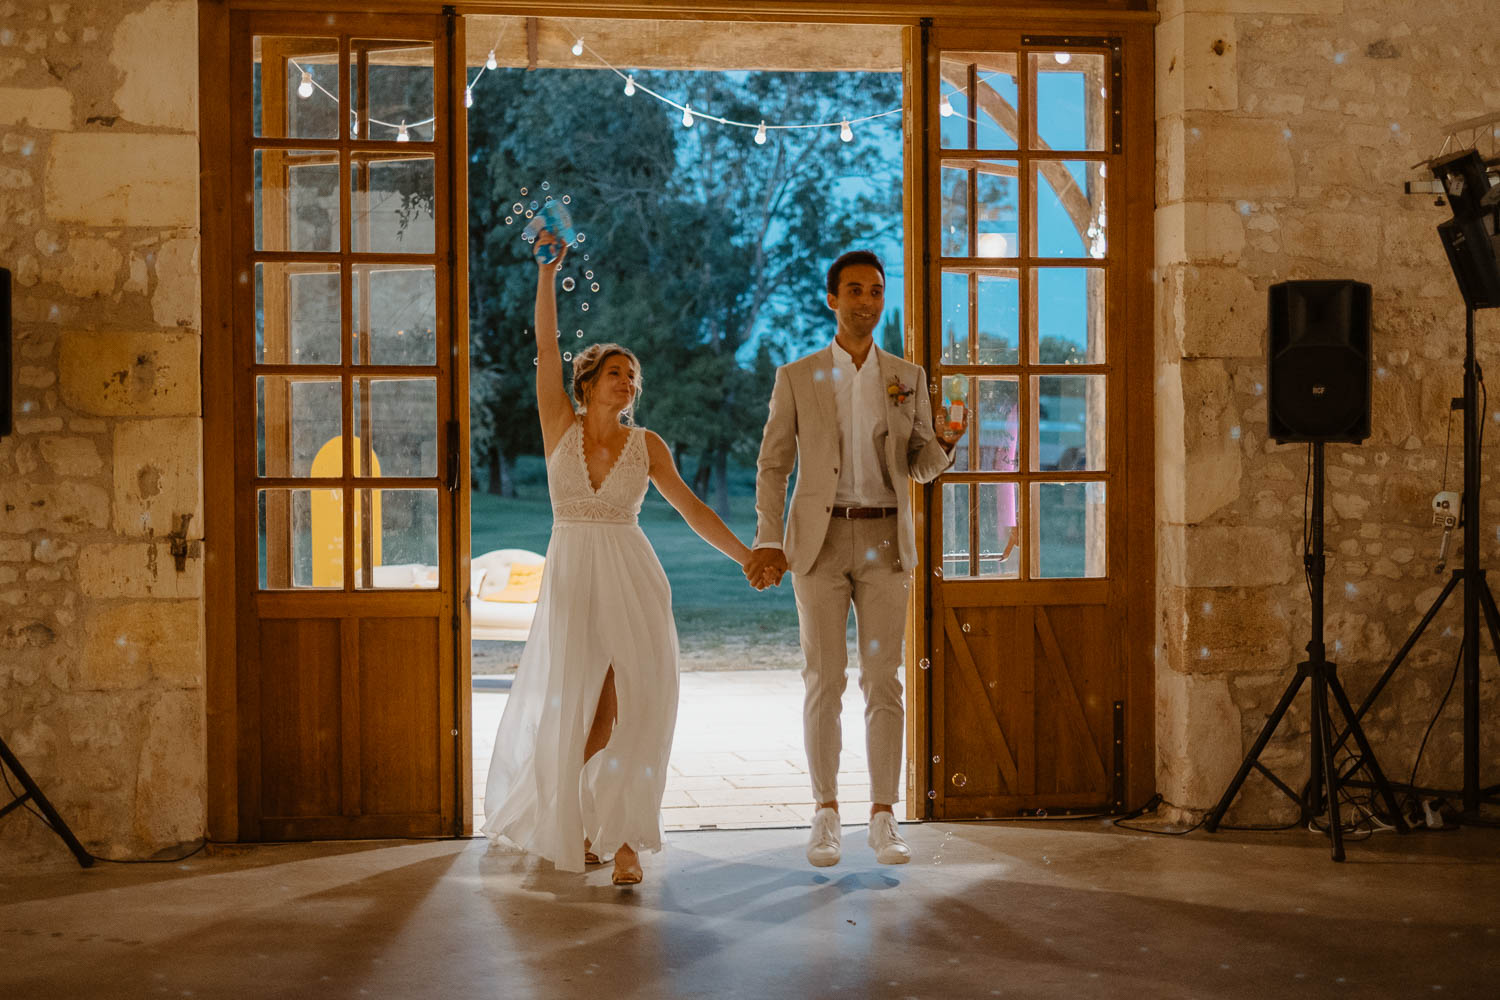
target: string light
305 88
630 86
687 116
846 133
491 63
945 107
468 97
1063 58
578 46
403 135
760 134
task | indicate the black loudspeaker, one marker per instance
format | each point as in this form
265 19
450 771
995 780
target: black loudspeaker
6 424
1318 361
1471 254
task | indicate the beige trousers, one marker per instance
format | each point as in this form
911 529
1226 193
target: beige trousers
858 565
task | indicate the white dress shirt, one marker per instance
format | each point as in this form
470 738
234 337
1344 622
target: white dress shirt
860 401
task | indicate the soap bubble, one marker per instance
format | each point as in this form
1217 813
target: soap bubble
578 333
966 626
546 186
533 206
936 758
523 190
924 663
536 361
590 275
529 214
931 794
585 256
567 355
568 283
580 240
594 287
518 208
584 307
959 779
567 199
509 219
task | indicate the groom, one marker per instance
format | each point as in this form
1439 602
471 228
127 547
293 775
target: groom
852 419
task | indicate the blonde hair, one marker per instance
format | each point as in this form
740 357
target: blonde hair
587 365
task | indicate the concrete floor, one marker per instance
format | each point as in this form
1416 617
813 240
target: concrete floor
1022 910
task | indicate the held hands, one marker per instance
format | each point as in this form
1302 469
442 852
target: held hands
765 567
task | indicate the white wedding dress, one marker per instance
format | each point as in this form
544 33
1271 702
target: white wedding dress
604 601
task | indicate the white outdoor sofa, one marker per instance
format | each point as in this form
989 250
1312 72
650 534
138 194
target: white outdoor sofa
489 574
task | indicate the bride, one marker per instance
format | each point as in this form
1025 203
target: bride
581 754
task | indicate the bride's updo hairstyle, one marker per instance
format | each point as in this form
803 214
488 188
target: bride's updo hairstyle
587 365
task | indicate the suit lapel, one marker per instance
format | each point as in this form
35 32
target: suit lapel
822 376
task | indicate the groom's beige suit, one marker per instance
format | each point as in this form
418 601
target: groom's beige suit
864 557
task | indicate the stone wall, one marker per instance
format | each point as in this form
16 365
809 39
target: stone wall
1285 129
101 651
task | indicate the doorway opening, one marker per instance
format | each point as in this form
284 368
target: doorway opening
703 248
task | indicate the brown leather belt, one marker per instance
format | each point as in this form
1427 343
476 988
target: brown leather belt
858 513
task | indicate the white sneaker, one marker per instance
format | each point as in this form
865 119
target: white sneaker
890 849
823 844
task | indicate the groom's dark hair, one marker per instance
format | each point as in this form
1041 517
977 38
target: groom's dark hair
852 257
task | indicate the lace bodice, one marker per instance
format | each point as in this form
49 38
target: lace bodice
618 499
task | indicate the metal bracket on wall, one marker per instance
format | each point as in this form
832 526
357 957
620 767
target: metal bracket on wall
1116 72
181 548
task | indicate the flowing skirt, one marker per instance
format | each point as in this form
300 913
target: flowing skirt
604 602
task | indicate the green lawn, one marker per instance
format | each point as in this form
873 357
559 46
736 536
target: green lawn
712 602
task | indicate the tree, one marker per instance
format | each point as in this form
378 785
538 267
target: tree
710 249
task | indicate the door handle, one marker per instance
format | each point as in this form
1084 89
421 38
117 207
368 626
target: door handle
453 463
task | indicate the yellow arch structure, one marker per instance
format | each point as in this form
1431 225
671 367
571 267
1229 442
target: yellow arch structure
328 519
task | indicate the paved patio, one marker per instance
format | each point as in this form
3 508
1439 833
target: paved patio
737 759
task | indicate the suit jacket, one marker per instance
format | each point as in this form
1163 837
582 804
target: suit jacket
802 430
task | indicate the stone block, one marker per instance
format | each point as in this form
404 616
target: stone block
1194 555
130 374
1198 233
1196 64
1235 157
155 91
170 781
14 550
127 645
66 506
39 107
158 465
136 570
1197 738
1219 631
1198 458
1340 242
89 268
152 180
1219 314
175 302
71 456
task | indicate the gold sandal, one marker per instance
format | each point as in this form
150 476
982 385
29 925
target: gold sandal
628 876
589 857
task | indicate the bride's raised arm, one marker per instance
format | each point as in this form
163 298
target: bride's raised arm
552 403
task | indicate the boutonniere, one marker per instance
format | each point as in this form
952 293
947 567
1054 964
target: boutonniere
898 391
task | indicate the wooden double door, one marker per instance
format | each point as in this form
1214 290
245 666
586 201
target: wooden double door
347 403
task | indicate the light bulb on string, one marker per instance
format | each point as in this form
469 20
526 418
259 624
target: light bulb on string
305 88
760 135
490 62
468 97
1063 58
630 86
402 135
353 125
578 47
687 116
845 132
945 107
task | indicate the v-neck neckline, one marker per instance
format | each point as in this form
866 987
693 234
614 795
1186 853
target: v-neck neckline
583 456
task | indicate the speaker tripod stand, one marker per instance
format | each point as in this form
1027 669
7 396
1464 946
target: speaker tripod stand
30 792
1321 793
1477 597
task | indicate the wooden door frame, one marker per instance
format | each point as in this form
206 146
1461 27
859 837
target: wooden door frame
226 754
